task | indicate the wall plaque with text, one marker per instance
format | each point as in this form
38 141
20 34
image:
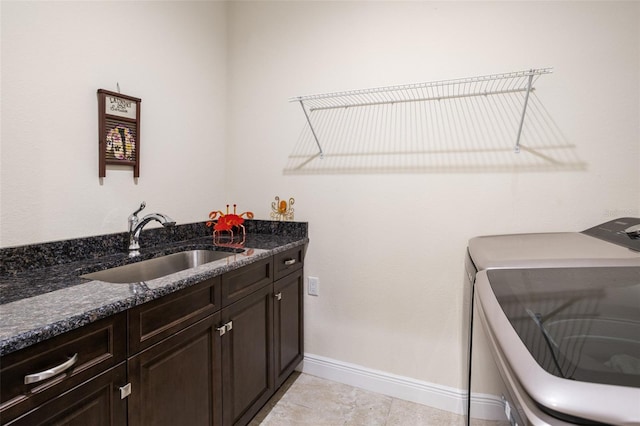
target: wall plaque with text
119 131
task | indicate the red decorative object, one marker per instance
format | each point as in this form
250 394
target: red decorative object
223 228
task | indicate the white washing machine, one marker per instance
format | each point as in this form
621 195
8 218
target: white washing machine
614 243
566 342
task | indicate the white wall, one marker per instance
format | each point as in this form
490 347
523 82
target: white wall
55 55
215 78
388 248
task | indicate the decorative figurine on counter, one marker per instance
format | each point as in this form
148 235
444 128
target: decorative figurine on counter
225 226
280 210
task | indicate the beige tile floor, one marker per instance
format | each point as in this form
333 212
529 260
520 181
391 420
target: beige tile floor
309 400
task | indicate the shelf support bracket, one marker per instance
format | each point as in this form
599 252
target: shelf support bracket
313 132
516 148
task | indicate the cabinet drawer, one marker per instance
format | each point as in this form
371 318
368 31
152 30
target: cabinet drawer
287 262
97 347
244 281
156 320
95 403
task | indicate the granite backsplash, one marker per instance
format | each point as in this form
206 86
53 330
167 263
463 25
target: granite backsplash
14 260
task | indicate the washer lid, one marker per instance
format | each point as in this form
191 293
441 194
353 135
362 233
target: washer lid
581 295
578 323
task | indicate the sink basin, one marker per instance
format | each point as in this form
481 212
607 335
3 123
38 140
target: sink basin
158 267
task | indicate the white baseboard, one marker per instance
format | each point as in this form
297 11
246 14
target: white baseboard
433 395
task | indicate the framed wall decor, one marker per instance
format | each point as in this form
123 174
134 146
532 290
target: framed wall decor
119 131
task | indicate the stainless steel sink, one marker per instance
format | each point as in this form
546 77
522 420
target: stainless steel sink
158 267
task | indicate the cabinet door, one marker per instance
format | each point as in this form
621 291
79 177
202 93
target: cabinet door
96 402
177 381
288 325
247 357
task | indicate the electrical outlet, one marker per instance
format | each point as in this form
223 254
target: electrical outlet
314 286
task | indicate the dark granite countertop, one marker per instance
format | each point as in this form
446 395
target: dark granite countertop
42 294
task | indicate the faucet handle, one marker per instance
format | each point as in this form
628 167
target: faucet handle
142 206
133 218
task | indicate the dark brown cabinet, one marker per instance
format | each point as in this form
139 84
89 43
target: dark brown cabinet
224 368
288 325
211 354
174 358
288 317
244 281
289 261
154 321
177 381
247 356
34 380
96 402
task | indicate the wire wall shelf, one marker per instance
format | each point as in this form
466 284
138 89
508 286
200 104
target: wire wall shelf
461 124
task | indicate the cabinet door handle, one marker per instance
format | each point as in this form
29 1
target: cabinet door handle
222 330
278 296
228 326
289 262
43 375
125 391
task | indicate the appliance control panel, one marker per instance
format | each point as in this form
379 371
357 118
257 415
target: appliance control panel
624 232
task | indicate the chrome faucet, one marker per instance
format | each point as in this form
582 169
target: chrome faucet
136 225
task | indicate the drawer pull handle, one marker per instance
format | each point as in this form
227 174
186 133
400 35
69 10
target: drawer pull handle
289 262
43 375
